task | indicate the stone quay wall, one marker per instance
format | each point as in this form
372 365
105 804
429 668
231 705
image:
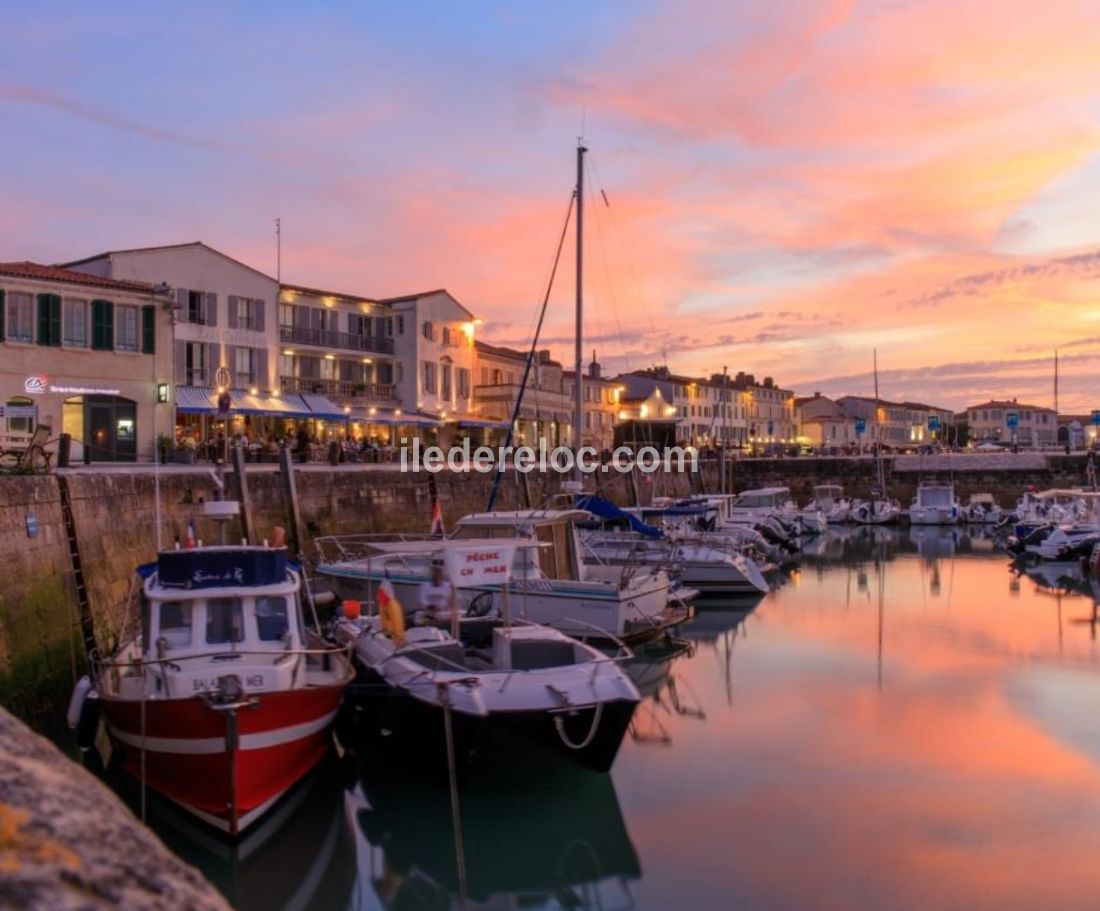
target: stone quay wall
115 517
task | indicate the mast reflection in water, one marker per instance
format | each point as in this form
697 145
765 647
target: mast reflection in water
907 721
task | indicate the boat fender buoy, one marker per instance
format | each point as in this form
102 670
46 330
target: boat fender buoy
88 725
76 701
393 619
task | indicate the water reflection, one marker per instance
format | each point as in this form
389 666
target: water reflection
534 834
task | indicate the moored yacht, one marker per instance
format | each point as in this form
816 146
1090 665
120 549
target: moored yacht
935 504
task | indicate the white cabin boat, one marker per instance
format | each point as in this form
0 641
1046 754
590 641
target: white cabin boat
935 504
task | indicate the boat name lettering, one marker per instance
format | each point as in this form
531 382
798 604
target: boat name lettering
230 575
482 557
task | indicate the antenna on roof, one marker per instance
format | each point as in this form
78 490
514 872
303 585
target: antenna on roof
278 248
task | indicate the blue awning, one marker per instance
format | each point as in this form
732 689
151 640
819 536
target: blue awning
204 400
195 400
605 509
481 422
323 407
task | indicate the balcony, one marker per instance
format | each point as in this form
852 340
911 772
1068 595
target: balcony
368 392
324 338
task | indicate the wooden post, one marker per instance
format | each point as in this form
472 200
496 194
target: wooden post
247 528
290 493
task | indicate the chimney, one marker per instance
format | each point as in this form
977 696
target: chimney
594 367
544 355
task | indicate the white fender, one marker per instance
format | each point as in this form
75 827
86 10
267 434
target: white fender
76 701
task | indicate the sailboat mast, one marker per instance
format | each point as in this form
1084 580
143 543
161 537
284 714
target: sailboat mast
577 385
1056 388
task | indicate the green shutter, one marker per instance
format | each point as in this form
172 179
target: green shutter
148 329
103 325
49 319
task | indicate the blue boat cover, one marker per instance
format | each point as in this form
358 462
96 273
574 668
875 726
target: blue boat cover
214 568
605 509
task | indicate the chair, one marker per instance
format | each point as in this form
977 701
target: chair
33 458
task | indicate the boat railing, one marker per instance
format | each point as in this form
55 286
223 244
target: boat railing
339 548
176 660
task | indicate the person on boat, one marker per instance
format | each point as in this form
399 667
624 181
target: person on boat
434 598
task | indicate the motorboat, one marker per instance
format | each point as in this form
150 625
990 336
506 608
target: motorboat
550 584
935 504
830 501
876 511
223 700
983 510
709 565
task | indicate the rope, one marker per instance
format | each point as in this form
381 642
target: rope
452 778
559 723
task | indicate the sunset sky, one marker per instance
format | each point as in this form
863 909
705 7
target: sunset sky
791 184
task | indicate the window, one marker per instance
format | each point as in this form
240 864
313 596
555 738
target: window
244 367
74 332
271 618
224 621
49 319
175 624
428 331
360 325
19 325
149 329
446 390
463 378
385 373
400 325
126 328
329 369
246 313
430 372
196 307
447 336
195 364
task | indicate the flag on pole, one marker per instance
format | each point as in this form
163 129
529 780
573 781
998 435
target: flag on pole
437 520
192 538
390 613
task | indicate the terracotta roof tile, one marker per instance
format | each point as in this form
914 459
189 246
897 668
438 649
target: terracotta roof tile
39 272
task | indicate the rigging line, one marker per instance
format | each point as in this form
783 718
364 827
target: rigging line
611 293
531 352
646 301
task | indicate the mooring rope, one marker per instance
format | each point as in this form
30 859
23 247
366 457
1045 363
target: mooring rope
452 777
559 724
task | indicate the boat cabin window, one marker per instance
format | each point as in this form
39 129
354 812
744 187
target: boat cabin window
224 621
272 620
175 623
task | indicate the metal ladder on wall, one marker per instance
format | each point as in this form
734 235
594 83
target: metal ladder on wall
82 600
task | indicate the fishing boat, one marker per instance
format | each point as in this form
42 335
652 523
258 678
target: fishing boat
489 671
224 700
550 584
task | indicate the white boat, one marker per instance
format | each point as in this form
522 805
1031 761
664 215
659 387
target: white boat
935 504
705 567
528 679
830 501
751 506
876 511
983 510
550 584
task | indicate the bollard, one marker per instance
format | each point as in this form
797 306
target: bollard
64 449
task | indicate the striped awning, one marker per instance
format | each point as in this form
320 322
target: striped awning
204 400
322 407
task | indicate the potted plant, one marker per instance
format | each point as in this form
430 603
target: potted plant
164 446
185 452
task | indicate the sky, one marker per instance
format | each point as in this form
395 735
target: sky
781 189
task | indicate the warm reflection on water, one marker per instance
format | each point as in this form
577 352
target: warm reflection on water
905 723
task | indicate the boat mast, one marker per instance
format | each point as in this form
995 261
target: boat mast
579 342
878 435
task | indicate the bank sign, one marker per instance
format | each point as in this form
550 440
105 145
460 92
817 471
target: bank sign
35 385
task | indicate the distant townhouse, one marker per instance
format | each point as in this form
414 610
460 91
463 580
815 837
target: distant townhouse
1010 421
899 425
225 336
599 404
546 409
821 421
85 355
768 410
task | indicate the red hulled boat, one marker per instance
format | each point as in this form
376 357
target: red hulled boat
224 701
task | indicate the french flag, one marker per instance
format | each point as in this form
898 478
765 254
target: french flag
437 520
192 538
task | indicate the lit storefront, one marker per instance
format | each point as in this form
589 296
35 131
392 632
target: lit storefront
84 356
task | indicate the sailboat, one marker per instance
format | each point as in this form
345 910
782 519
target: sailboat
878 510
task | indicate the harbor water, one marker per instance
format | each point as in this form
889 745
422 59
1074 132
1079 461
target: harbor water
904 722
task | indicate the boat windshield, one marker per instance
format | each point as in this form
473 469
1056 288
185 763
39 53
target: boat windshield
935 496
